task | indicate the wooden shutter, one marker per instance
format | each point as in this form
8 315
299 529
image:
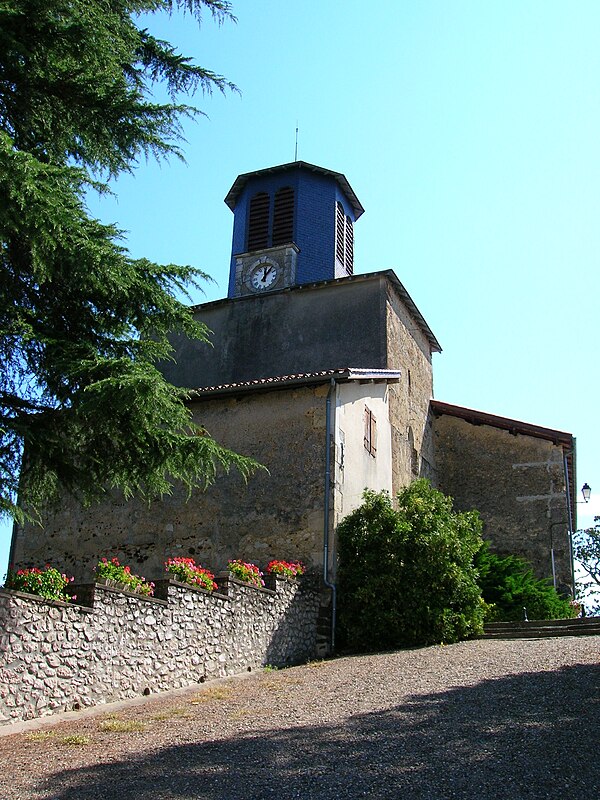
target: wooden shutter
373 435
349 260
283 216
258 222
370 438
339 232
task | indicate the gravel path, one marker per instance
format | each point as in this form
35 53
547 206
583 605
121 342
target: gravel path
482 719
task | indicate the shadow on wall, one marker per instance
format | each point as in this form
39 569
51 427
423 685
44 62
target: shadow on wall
527 736
283 648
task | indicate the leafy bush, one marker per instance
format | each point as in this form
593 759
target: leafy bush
289 569
248 573
187 571
114 571
587 555
508 585
48 583
406 576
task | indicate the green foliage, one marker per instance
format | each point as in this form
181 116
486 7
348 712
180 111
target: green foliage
406 576
48 583
508 585
586 551
82 324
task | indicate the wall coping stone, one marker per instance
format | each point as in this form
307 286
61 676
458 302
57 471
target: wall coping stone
44 600
226 578
163 586
89 590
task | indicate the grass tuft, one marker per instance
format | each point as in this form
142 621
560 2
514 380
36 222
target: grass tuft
40 736
212 693
114 725
75 740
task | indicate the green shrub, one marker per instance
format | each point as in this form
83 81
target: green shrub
508 585
406 576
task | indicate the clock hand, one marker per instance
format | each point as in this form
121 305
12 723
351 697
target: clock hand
266 272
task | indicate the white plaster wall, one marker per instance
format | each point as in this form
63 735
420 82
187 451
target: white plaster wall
355 468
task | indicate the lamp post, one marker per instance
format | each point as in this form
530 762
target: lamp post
586 491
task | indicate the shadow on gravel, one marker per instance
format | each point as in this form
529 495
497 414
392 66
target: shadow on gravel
532 735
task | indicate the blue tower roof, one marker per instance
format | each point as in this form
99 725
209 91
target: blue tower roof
241 181
298 213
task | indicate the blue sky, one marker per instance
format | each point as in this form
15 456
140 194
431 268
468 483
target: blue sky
469 131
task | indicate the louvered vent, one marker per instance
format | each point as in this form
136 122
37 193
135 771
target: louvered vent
349 261
258 222
283 216
339 232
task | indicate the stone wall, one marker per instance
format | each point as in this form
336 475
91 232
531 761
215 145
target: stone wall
276 514
516 482
61 656
330 325
410 351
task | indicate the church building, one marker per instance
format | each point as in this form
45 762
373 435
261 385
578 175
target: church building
325 377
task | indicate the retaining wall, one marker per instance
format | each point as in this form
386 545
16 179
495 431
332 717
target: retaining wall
61 656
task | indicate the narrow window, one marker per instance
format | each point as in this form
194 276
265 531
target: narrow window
339 232
349 259
344 239
414 456
283 216
370 432
258 222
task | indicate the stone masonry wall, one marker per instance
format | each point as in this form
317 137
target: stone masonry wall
517 484
409 351
61 656
277 514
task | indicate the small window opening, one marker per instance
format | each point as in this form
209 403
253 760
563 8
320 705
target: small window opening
414 455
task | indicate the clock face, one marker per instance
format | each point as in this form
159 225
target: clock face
263 276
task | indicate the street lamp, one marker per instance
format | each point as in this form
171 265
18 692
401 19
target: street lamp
586 491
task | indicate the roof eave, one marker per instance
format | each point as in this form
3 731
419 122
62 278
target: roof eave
515 426
241 180
273 383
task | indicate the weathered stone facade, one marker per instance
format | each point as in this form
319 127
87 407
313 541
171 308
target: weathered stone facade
514 475
279 513
294 369
255 395
329 325
409 349
61 656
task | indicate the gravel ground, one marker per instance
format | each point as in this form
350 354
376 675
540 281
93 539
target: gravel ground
482 719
